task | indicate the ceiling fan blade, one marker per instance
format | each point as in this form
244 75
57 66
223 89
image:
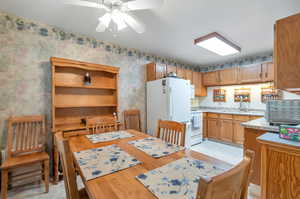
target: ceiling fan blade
133 22
86 4
118 19
101 27
104 22
142 4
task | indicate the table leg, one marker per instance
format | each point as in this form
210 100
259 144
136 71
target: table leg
55 166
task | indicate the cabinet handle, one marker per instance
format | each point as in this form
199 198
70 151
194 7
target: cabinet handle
266 75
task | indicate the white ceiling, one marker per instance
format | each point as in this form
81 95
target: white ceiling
171 29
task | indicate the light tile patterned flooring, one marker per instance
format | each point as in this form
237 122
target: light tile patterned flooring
227 153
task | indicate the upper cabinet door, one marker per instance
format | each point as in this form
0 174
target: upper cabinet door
189 75
156 71
287 52
228 76
268 72
171 69
161 71
250 74
200 90
181 72
211 78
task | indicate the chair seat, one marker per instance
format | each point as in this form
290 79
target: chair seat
24 159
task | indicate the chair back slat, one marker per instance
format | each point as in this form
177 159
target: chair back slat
172 132
232 184
102 125
68 168
26 135
132 119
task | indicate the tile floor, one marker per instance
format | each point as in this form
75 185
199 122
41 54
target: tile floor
228 153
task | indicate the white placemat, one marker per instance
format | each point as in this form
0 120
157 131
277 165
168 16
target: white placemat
156 147
178 179
102 161
105 137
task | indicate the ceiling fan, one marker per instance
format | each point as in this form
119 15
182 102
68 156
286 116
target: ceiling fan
118 12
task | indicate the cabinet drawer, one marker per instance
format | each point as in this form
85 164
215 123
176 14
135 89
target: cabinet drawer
243 118
225 116
212 115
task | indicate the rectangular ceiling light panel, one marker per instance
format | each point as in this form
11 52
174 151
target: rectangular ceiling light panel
218 44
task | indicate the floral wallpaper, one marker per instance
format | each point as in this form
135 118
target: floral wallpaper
25 75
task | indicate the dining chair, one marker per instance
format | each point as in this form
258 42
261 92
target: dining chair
232 184
26 140
132 119
101 124
172 132
69 171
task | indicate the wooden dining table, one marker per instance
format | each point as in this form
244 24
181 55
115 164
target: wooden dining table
123 184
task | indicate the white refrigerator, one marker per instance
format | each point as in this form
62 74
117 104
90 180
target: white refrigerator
168 99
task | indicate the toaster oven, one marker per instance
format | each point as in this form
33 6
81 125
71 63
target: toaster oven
283 111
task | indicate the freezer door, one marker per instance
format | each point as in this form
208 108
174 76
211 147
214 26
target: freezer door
157 104
179 95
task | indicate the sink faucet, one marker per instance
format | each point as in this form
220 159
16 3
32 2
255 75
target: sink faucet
242 106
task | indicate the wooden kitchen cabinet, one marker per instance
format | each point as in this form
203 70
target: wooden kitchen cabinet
280 174
251 143
229 76
213 128
250 74
171 68
226 130
287 53
156 71
181 72
200 90
211 78
268 72
238 129
227 127
189 75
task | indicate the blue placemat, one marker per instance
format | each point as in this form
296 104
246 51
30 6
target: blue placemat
102 161
110 136
156 147
178 179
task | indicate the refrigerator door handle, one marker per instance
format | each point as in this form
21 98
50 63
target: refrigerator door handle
171 103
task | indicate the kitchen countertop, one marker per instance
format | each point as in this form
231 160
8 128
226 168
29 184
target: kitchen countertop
274 138
260 124
229 111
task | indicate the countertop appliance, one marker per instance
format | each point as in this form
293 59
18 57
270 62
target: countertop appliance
283 111
168 99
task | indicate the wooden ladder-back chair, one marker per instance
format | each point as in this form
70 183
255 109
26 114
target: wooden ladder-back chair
25 146
172 132
69 171
102 124
232 184
132 119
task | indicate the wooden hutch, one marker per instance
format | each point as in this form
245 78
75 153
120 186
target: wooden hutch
76 98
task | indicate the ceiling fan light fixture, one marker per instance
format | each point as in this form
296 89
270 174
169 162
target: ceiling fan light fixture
117 18
218 44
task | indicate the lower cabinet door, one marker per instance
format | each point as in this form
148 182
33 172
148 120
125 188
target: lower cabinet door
213 130
226 130
238 132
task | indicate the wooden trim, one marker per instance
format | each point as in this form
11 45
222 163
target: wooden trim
62 62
